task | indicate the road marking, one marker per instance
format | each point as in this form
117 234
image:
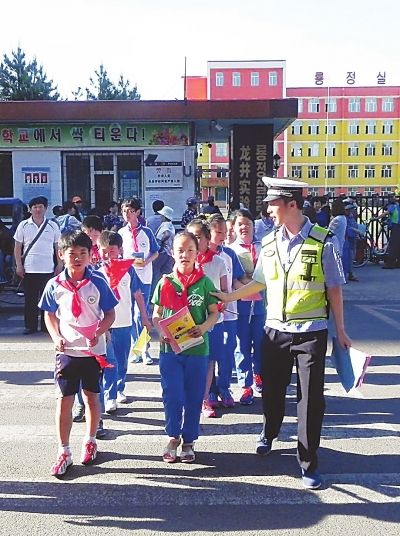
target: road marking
375 311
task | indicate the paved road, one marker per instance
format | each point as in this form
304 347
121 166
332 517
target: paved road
229 490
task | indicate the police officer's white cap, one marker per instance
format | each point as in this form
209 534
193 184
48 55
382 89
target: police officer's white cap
283 188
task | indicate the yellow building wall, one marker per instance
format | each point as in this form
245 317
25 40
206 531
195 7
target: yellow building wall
341 160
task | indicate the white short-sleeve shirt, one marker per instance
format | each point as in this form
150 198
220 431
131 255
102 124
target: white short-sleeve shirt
147 244
215 270
40 259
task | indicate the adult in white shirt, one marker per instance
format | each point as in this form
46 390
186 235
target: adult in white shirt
37 266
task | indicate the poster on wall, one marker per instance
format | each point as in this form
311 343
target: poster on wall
35 182
164 169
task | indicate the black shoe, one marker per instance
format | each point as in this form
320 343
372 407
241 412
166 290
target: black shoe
263 446
79 413
28 331
352 278
101 433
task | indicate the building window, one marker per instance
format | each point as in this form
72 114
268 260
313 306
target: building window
313 129
313 172
296 172
387 104
199 150
352 192
222 172
331 191
236 79
221 149
255 79
313 106
220 194
219 79
370 127
313 191
300 106
353 150
370 104
352 172
369 172
386 172
273 78
313 150
330 149
387 127
296 150
369 190
297 128
354 104
330 128
387 149
370 149
354 127
386 190
330 105
330 172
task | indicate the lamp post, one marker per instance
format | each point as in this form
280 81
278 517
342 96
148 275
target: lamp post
276 163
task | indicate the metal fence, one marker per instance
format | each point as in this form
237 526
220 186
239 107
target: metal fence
370 207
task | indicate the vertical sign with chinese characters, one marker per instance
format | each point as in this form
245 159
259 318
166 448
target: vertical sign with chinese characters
252 151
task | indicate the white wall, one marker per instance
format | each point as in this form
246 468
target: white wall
39 159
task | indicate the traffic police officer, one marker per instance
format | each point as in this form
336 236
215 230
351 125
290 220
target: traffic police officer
300 266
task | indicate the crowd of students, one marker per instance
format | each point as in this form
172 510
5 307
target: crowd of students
97 304
91 366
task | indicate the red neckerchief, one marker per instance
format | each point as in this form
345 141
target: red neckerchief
252 249
115 270
174 298
76 307
95 254
206 257
134 232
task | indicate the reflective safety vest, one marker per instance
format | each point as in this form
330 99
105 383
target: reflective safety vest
298 294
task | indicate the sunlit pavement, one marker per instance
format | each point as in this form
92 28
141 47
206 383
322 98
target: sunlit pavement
229 489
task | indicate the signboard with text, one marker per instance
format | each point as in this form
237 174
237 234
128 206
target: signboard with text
319 78
126 134
163 172
252 160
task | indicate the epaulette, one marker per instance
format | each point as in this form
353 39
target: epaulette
318 233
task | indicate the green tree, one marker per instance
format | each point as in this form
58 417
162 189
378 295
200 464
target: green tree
22 80
102 88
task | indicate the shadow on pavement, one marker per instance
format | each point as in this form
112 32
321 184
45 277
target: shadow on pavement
182 499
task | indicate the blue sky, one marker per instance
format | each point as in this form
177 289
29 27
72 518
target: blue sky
147 40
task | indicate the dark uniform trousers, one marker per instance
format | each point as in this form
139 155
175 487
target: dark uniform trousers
393 250
280 350
34 284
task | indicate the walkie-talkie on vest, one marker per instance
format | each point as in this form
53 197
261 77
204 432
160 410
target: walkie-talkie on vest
308 258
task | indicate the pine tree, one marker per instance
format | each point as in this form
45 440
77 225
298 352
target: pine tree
102 88
22 80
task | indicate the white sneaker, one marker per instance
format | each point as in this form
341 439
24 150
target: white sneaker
111 406
121 398
147 359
